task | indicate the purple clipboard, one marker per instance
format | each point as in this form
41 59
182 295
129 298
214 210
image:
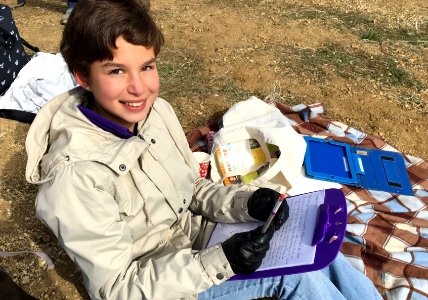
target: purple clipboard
328 236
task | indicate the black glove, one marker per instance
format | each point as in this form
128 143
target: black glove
246 250
261 203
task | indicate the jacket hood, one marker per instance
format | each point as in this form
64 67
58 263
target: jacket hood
61 134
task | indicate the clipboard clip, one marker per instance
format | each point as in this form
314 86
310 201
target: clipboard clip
322 232
321 224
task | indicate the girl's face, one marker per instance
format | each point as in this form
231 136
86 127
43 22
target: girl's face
125 87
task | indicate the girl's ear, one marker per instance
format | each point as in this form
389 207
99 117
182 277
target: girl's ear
81 80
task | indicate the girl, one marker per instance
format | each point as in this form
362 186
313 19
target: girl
119 186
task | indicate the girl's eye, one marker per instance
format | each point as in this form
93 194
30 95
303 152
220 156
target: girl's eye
149 67
116 71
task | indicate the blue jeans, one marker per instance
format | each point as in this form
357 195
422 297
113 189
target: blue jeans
337 281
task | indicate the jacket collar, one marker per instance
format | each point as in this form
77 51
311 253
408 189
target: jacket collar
103 123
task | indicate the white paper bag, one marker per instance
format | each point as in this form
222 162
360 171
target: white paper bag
255 119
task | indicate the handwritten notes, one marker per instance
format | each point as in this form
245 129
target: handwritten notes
291 245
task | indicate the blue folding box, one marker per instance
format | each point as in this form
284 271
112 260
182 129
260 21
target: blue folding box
368 168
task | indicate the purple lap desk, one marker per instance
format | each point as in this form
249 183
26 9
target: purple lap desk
328 237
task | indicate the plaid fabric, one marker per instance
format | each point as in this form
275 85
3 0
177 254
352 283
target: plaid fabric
387 234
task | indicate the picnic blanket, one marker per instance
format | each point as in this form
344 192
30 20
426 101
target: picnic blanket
387 234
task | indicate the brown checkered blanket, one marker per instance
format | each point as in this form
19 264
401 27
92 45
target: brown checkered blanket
387 234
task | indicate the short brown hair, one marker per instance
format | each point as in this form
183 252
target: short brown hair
94 25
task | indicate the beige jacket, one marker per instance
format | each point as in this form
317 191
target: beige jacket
128 211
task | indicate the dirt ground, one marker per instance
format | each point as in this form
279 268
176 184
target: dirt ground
367 61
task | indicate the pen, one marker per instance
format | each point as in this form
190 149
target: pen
273 213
